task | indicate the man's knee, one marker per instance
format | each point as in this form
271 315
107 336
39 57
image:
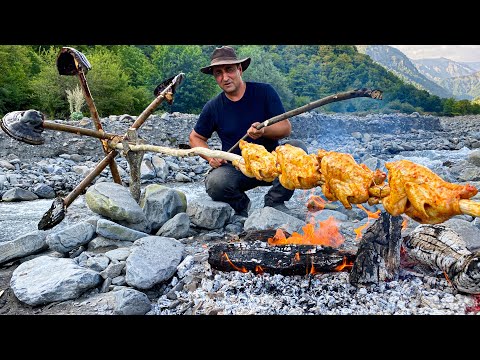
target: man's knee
298 143
215 186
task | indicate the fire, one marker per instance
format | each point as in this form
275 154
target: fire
259 270
242 269
344 265
404 223
326 234
371 215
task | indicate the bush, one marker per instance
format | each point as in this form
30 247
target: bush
76 115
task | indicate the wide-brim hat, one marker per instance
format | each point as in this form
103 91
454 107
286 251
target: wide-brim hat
225 55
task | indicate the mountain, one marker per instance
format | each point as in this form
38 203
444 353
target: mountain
397 62
462 79
439 69
463 87
472 64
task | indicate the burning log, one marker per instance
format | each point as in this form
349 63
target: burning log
257 256
442 249
378 255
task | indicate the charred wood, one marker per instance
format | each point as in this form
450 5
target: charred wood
258 256
443 249
378 255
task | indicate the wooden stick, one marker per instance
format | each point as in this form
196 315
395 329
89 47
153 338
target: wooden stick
470 207
374 94
181 152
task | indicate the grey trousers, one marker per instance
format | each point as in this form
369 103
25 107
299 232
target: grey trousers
228 184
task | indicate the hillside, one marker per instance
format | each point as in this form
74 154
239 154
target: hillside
464 87
397 62
438 69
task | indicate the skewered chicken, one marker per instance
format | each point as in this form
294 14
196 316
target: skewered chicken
298 170
347 181
257 162
295 169
421 194
412 189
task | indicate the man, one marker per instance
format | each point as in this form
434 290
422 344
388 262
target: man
233 113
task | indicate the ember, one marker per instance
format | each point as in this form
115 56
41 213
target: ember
242 269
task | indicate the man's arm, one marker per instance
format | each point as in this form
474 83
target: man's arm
276 131
197 140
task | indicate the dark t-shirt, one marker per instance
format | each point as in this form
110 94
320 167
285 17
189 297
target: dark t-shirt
232 119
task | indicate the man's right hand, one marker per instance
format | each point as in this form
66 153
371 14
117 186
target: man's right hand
215 162
254 133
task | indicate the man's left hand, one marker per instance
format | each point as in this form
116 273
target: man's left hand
254 133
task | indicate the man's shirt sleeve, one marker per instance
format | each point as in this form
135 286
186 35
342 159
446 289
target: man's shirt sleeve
205 125
274 105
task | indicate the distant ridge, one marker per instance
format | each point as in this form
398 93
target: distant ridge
464 87
438 69
397 62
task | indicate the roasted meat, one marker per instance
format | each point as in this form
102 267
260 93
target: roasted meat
421 194
298 170
346 180
257 162
412 189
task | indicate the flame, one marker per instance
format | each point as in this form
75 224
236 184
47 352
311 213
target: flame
326 234
297 256
242 269
344 265
371 215
404 223
259 270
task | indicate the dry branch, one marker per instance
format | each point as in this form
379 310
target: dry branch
181 152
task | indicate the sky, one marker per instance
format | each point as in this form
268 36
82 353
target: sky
461 53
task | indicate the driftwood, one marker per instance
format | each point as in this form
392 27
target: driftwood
378 255
258 256
134 159
444 250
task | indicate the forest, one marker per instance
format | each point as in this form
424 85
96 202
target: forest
123 77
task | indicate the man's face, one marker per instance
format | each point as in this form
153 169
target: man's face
228 77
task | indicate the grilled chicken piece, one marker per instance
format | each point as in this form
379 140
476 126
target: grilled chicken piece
347 181
298 170
421 194
257 162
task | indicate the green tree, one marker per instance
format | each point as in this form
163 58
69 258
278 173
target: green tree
16 67
197 88
49 87
109 84
262 69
